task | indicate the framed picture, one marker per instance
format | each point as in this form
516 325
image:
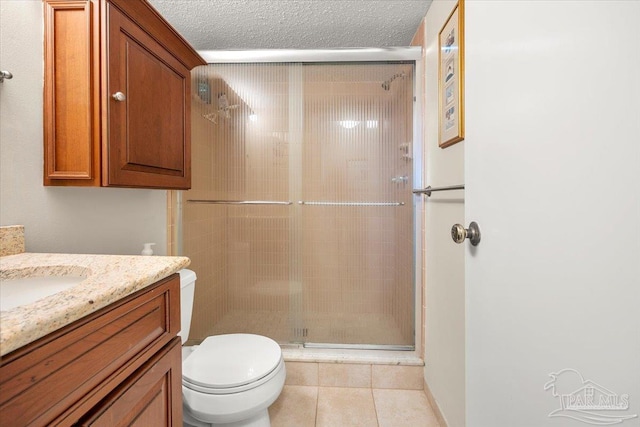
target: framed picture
451 78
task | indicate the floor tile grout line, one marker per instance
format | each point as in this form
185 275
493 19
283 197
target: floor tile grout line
315 421
375 407
317 392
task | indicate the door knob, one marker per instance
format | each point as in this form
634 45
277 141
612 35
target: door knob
459 233
119 96
5 75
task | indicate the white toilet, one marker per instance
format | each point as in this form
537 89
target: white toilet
228 380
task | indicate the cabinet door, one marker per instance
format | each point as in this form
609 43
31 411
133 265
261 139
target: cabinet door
71 94
147 128
150 397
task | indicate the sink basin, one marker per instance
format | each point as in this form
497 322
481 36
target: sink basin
25 290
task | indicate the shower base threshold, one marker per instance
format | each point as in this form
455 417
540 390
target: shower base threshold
300 353
386 347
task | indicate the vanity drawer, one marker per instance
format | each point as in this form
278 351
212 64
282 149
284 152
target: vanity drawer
71 370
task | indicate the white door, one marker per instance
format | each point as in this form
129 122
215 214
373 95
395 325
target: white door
552 168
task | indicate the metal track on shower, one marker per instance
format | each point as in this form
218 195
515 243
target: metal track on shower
301 202
239 202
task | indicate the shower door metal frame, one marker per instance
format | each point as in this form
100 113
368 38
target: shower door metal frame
410 53
389 54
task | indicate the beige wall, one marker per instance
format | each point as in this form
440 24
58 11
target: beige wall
78 220
443 290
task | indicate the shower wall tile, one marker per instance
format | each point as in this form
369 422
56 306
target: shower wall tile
344 375
203 225
397 377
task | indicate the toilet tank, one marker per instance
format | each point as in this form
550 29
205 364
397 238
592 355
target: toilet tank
187 289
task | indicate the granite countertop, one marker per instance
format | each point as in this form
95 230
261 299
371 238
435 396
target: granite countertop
109 279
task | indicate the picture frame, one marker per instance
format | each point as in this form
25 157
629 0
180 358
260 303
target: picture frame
451 78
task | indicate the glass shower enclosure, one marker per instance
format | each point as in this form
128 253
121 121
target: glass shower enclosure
300 220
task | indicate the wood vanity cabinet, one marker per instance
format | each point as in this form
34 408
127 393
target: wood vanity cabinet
117 92
118 366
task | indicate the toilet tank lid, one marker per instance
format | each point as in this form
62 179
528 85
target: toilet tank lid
186 277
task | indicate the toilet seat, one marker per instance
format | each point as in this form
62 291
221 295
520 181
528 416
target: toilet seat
226 364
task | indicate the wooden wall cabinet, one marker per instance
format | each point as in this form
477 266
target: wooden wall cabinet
117 91
118 365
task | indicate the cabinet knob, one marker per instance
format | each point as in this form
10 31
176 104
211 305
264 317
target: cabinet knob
119 96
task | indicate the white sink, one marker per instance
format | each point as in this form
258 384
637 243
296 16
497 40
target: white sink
25 290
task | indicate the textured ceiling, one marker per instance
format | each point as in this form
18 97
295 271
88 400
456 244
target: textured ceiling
293 24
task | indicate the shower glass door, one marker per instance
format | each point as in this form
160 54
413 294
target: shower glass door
299 223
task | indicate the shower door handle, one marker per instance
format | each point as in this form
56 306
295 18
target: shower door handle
459 233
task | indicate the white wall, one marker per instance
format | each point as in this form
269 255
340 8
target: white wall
94 220
552 165
444 268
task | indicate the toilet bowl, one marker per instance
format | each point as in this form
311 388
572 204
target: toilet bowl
228 380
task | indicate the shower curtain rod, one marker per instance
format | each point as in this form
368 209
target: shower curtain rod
410 53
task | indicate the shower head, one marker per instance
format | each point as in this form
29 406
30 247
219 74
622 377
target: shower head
386 85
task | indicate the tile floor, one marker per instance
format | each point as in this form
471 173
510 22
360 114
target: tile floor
309 406
329 394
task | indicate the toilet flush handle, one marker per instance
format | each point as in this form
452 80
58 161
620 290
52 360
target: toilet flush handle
459 233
